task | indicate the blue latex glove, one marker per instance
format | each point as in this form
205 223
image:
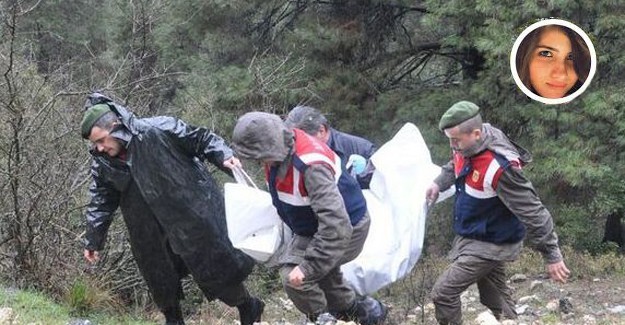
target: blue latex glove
357 163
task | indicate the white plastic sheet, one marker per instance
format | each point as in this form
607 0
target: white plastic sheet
398 210
395 201
253 222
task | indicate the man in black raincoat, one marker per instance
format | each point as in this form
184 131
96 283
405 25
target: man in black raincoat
153 170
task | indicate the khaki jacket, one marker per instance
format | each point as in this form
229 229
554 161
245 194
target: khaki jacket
518 194
264 137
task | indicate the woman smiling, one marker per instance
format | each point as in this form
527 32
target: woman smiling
553 61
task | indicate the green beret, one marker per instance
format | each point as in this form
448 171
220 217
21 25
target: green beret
458 113
92 114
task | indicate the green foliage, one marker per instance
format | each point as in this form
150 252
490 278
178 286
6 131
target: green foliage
31 307
584 265
265 281
576 146
371 66
85 297
550 318
79 300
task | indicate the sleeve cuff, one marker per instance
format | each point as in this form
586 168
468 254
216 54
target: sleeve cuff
305 268
553 257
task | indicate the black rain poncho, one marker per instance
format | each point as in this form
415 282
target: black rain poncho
172 207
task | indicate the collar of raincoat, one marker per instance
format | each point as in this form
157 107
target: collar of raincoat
262 136
122 134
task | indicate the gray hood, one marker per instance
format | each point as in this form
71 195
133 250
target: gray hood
497 141
262 136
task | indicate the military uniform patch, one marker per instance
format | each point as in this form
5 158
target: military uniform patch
476 176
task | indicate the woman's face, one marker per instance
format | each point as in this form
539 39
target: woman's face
551 67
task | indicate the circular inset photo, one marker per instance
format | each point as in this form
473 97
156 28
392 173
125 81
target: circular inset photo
553 61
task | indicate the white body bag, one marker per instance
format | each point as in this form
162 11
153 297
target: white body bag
396 205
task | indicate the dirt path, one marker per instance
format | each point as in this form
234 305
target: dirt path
539 301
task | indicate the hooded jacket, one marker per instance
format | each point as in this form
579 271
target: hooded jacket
518 196
262 136
164 179
290 195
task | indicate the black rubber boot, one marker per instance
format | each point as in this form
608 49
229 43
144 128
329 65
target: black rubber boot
251 310
370 311
173 316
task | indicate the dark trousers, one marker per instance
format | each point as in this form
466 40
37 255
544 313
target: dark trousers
330 293
490 277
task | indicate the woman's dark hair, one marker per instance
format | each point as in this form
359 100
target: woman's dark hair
581 56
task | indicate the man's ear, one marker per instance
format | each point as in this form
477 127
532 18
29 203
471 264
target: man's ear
116 125
477 133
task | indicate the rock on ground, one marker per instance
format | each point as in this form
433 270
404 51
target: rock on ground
6 316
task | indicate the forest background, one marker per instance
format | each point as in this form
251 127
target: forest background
370 66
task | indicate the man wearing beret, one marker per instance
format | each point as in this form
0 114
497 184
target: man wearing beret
495 208
153 170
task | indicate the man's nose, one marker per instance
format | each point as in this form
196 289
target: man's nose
99 147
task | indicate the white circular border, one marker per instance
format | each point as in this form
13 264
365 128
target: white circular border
532 95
